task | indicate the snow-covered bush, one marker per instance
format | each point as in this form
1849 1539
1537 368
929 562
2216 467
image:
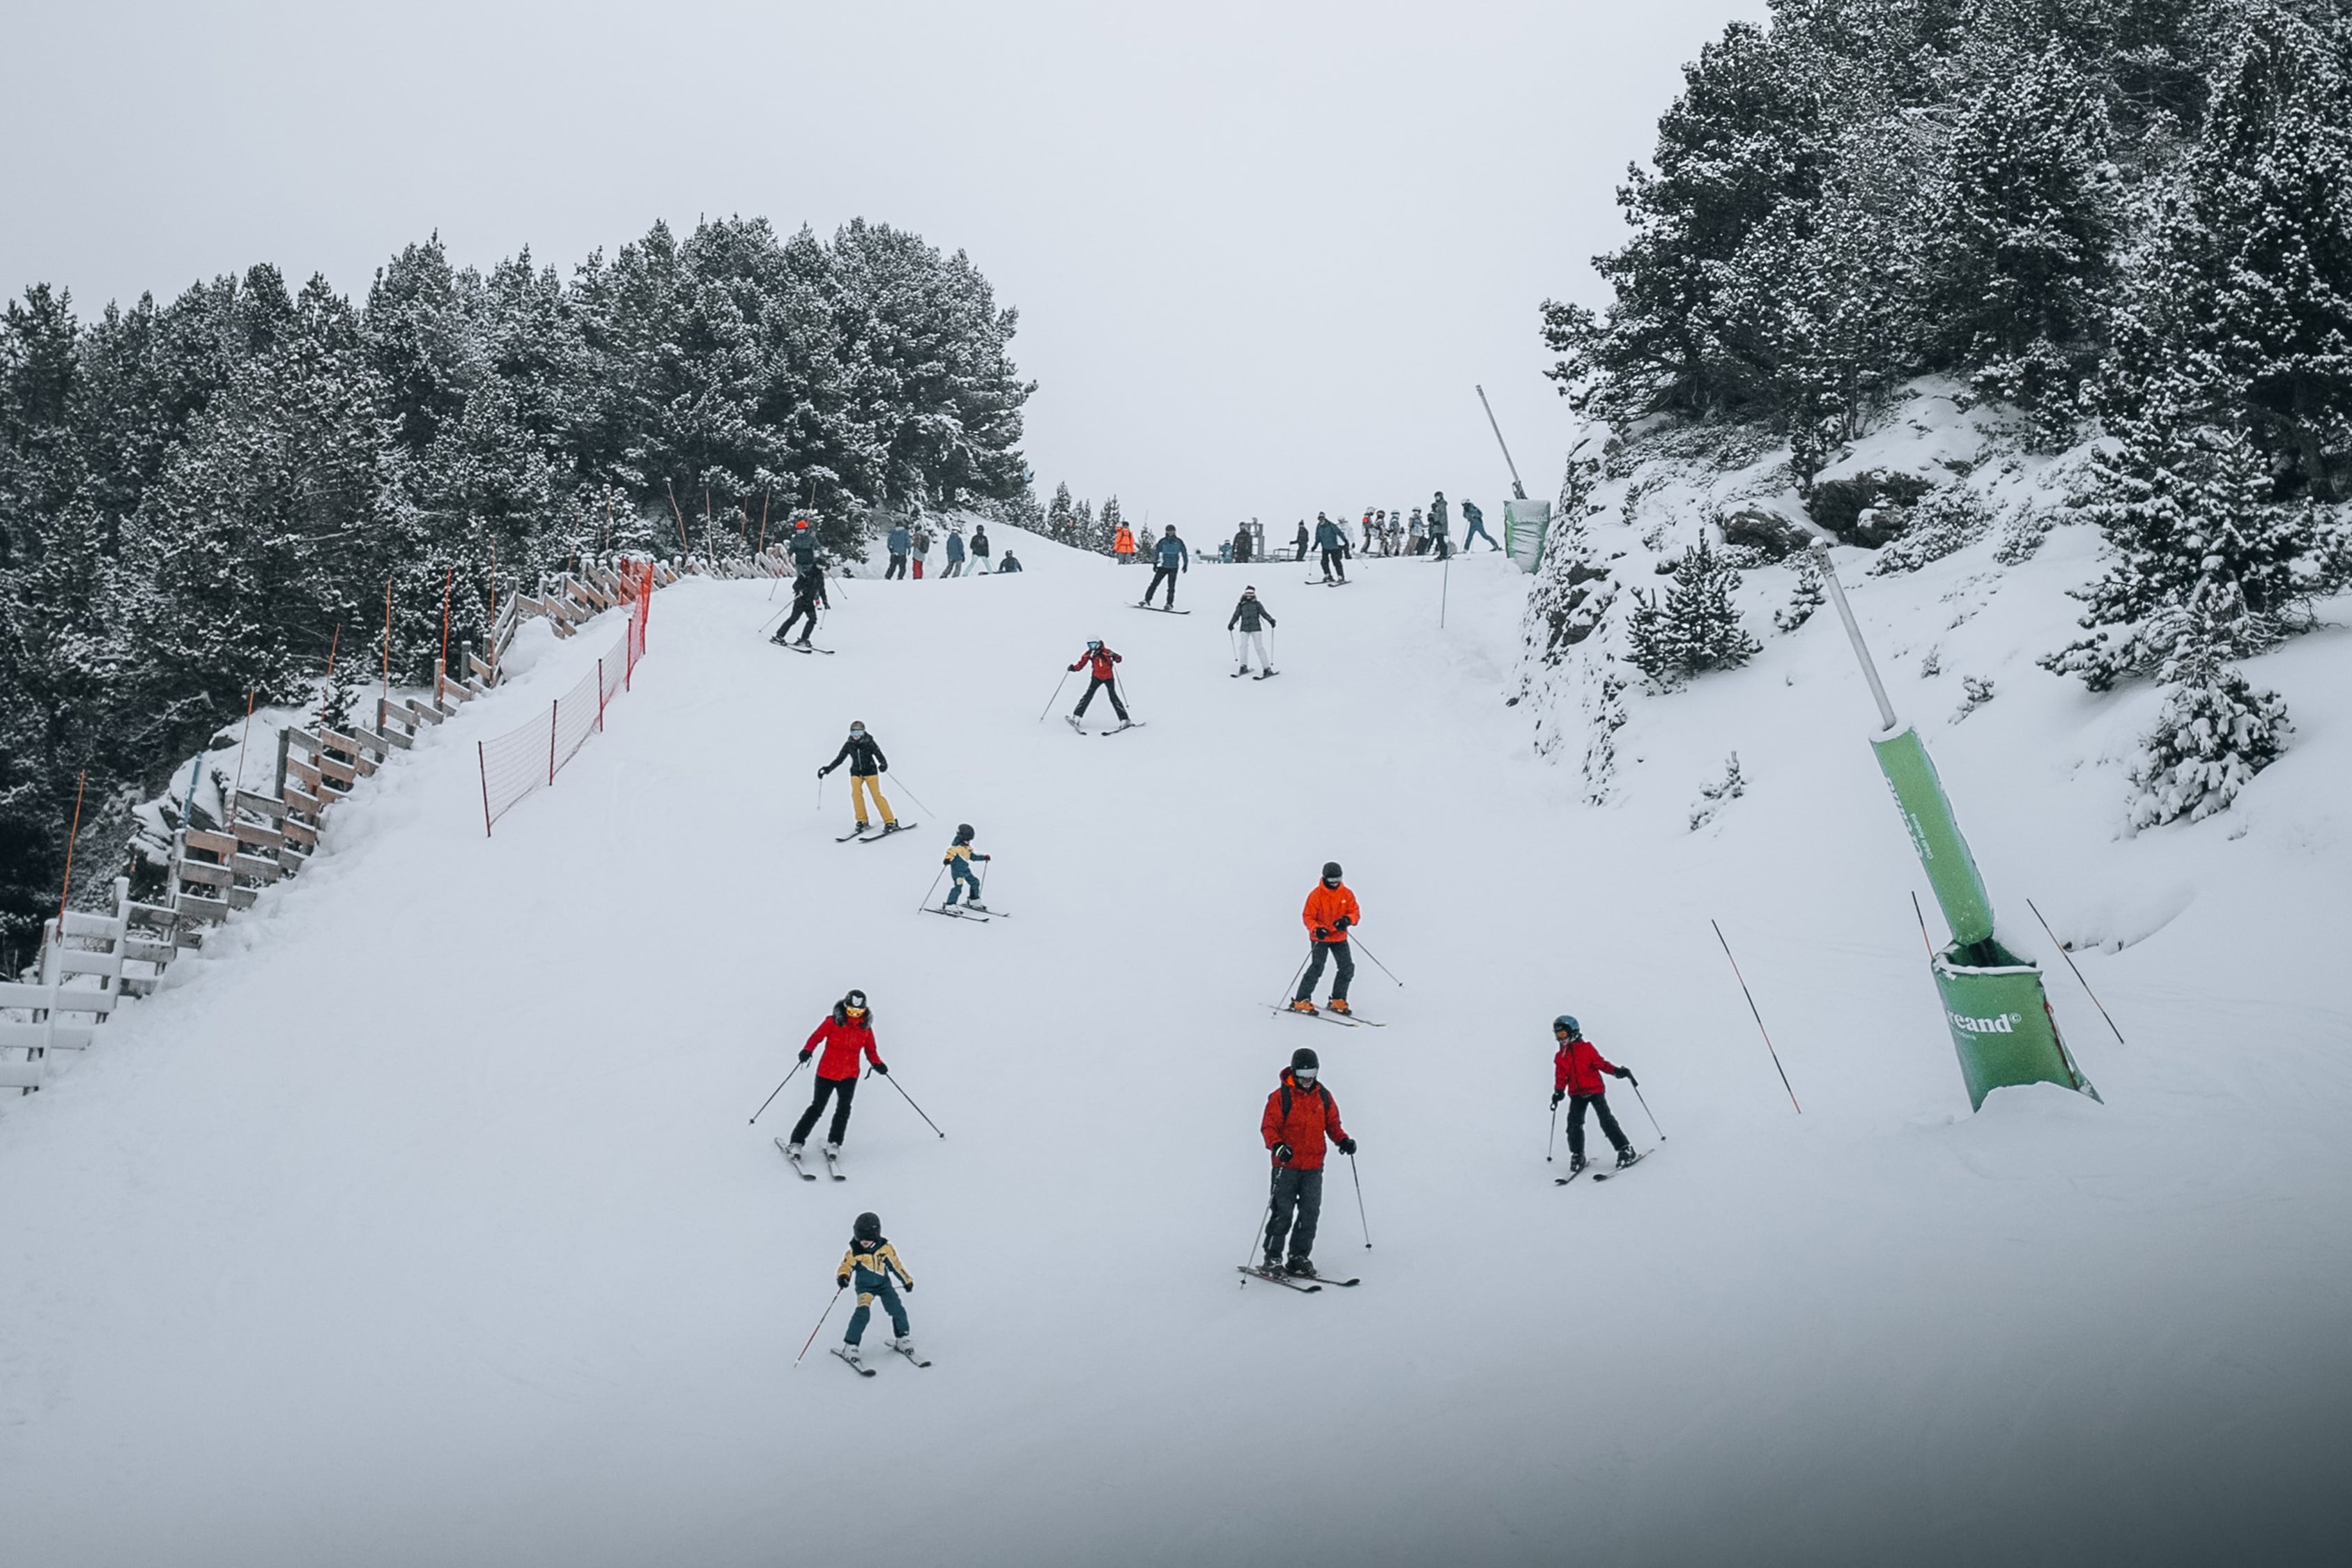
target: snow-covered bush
1943 522
1711 799
2214 733
1693 626
1805 598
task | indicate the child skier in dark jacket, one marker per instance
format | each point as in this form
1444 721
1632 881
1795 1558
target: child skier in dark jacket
868 1264
959 857
1576 1076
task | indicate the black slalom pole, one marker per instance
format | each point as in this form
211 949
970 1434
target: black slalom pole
1553 1135
1361 1223
893 1081
1053 699
837 1289
1368 953
1645 1105
777 1090
1760 1022
1257 1236
1295 974
2069 957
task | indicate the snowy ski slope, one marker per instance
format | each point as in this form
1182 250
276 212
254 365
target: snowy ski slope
421 1222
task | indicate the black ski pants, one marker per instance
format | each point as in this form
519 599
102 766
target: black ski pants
1335 565
897 568
1297 1202
826 1087
1609 1127
1101 683
1162 575
800 608
1337 951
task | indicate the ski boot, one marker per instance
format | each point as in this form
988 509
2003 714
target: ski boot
1300 1268
802 641
848 1352
903 1343
1241 671
1626 1156
890 827
1577 1163
1339 1004
791 1151
1262 674
1303 1005
1272 1264
833 1151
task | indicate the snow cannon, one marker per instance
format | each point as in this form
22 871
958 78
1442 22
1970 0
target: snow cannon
1993 1000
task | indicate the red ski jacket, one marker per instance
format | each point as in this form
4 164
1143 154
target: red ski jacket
843 1038
1323 907
1300 1118
1577 1069
1103 659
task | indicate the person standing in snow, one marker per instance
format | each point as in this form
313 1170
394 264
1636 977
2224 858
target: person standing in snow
1242 545
980 548
1300 1118
1333 542
1122 545
1473 525
1576 1076
1438 542
847 1034
955 550
1251 618
808 593
1302 539
899 544
1105 679
803 544
868 1264
922 548
1012 562
1169 557
1331 912
866 765
1418 532
1368 531
958 860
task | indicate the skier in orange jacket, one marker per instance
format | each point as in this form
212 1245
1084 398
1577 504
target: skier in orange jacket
1122 545
1329 914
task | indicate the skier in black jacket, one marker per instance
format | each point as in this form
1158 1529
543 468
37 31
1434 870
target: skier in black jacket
1250 616
866 764
808 593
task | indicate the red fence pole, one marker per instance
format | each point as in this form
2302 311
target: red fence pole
482 761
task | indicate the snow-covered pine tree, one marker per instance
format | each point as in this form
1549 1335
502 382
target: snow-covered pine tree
1106 528
1693 626
2213 735
1062 517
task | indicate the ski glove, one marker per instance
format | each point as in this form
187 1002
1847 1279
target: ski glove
1347 1145
1343 922
805 1055
841 1281
1322 933
882 1068
1557 1095
1623 1072
822 771
1282 1153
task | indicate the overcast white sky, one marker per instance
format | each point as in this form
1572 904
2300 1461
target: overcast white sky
1262 251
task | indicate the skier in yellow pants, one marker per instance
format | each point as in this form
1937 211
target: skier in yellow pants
866 765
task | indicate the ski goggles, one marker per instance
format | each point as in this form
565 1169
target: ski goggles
1303 1075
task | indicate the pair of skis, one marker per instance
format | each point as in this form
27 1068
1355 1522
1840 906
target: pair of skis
1305 1284
865 834
801 647
832 1163
979 912
1603 1175
1262 674
862 1370
1346 1020
1073 722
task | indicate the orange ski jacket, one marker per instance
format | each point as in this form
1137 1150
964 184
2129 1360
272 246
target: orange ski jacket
1323 907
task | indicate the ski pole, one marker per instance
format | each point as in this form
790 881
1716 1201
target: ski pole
893 1081
1552 1136
1368 953
1760 1023
837 1289
1294 981
897 783
820 795
1263 1221
775 1091
1362 1224
932 889
1645 1107
1053 699
2078 974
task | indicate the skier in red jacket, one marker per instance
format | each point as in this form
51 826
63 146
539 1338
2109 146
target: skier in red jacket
1575 1077
845 1034
1330 910
1299 1117
1100 658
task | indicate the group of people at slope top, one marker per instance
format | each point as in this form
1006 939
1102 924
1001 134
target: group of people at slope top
906 543
1395 533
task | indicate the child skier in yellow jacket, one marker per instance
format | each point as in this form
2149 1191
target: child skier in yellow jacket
959 857
870 1263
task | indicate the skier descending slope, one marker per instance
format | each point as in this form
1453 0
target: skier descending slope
1253 618
1332 540
1101 660
1299 1116
847 1034
1330 910
959 857
808 594
1575 1077
868 1264
866 765
1169 557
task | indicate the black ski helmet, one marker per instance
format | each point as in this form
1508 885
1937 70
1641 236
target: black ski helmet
868 1227
1566 1025
1172 530
854 999
1331 870
963 832
1304 1056
857 726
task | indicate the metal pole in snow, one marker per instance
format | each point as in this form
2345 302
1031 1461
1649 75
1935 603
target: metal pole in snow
1853 635
1518 490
